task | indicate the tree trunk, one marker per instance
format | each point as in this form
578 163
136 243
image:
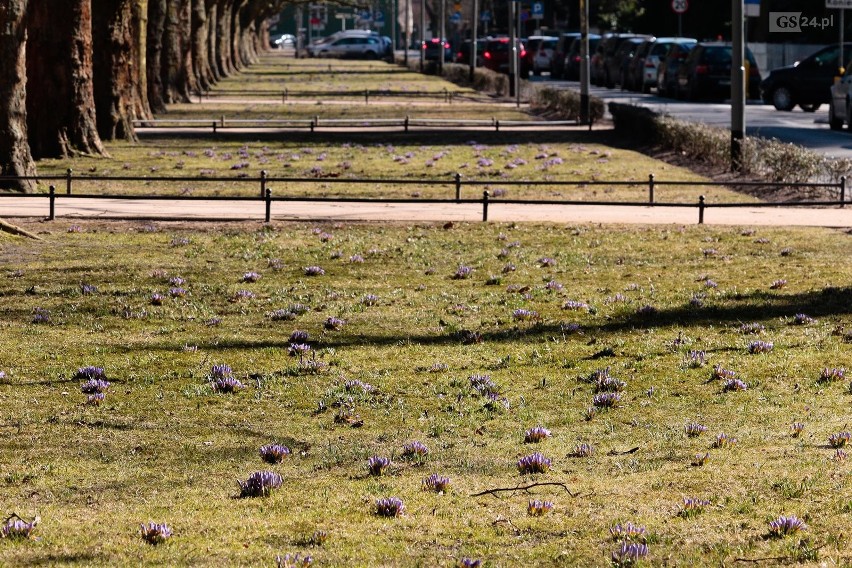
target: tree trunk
60 100
154 54
15 157
115 71
200 53
236 35
223 38
173 65
141 108
212 40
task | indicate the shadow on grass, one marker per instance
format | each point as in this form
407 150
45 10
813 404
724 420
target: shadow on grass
62 559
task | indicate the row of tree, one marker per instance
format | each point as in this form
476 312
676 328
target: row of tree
74 73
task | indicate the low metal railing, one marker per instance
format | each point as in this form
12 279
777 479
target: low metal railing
457 183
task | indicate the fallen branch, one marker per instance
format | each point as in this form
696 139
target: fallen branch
767 559
525 488
13 230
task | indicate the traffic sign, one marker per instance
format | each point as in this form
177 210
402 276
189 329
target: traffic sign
680 6
485 16
455 18
538 10
379 17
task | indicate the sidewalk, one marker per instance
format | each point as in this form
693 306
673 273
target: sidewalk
203 210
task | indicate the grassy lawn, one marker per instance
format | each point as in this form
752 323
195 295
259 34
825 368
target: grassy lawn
544 311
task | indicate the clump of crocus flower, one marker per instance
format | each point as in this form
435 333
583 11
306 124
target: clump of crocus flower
17 528
797 428
719 373
752 328
692 506
274 453
590 413
786 525
647 311
609 383
575 305
333 324
88 289
724 441
416 451
483 384
760 347
176 281
802 319
251 277
358 386
839 455
95 399
438 367
522 314
281 315
95 386
701 459
436 483
468 563
377 465
293 560
629 553
241 295
830 375
221 379
314 271
299 336
177 292
390 507
628 532
778 284
298 349
536 434
90 373
546 261
606 399
583 450
693 429
734 385
538 508
839 440
462 272
260 484
156 533
157 299
696 359
370 300
318 538
41 315
553 285
534 463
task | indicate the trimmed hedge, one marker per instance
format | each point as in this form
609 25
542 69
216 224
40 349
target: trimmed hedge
564 103
769 159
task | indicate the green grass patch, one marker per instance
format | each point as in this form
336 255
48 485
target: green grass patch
542 308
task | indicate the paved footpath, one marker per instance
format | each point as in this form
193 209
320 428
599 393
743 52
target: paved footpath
200 210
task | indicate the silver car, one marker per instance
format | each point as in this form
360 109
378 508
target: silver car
838 107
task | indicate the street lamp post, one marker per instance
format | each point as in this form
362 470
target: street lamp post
738 85
585 102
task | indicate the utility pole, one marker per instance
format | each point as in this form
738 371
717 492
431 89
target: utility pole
738 85
585 102
473 45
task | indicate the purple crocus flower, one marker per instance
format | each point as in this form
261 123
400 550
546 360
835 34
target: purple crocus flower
694 429
314 271
94 386
483 384
797 428
468 563
41 315
536 434
88 289
17 528
839 440
157 299
95 399
176 281
628 532
176 292
606 399
721 373
90 373
724 441
463 272
226 385
534 463
293 560
155 533
575 305
537 508
299 336
260 484
629 553
583 450
298 349
415 450
251 277
370 300
274 453
760 347
785 525
377 465
436 483
834 374
734 385
525 315
802 319
356 385
333 324
778 284
609 384
692 506
242 295
390 507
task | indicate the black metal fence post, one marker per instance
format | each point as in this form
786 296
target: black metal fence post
701 210
485 206
263 175
52 215
458 187
651 189
406 123
68 173
366 96
268 205
842 191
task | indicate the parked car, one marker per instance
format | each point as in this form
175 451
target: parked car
352 44
632 76
430 49
706 73
285 40
562 44
646 75
615 65
668 69
572 61
496 56
540 51
606 69
806 83
462 54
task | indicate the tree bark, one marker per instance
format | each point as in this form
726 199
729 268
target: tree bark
60 103
200 52
223 38
154 54
115 70
236 35
212 40
15 156
141 109
175 75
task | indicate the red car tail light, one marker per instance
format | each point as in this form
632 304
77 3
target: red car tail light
701 69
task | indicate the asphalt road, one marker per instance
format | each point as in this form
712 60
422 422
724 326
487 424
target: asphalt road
805 129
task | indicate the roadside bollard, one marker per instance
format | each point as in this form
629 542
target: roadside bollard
458 187
68 173
263 175
52 214
842 191
485 206
651 189
701 210
268 205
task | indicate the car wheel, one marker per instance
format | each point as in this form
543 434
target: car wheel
833 122
371 55
809 108
782 99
